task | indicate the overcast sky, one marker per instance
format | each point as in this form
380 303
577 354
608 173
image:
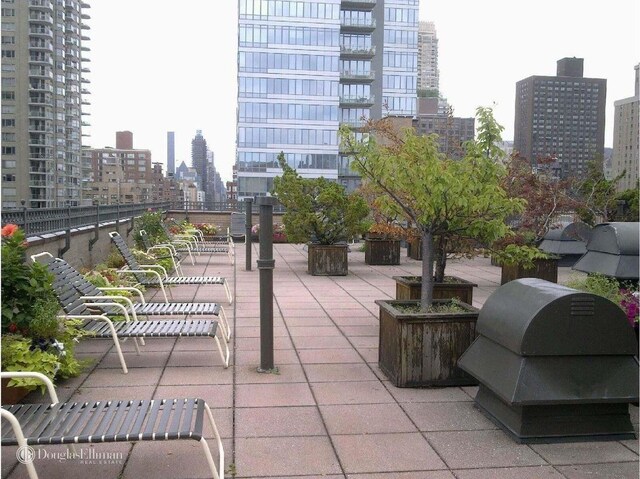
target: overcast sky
158 67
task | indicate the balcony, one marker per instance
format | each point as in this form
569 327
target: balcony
352 25
84 26
41 4
40 86
357 77
40 31
40 100
357 101
40 17
34 58
357 52
361 5
40 44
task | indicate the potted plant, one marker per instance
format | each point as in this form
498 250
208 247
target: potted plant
382 241
320 212
33 338
445 200
520 258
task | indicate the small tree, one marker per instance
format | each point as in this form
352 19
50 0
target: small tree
446 200
598 194
317 209
546 196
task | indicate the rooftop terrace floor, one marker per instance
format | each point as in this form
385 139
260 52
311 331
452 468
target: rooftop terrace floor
329 413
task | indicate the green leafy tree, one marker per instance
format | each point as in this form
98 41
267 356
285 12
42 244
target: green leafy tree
598 194
317 209
447 200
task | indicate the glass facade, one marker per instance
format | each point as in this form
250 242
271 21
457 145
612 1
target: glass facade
400 57
306 66
288 90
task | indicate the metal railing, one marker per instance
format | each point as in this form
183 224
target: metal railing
41 221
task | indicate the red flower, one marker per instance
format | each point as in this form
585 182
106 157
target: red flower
13 328
9 230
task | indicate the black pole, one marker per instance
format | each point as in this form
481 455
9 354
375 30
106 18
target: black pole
247 231
266 263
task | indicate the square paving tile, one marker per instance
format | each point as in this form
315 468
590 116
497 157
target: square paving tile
338 372
386 453
279 421
173 376
419 395
321 342
264 395
365 419
172 460
482 449
404 475
352 392
532 472
284 456
325 356
447 416
146 359
115 377
584 452
621 470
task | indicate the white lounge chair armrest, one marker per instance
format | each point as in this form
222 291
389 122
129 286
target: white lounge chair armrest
29 374
126 288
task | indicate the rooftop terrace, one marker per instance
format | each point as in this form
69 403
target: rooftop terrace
329 412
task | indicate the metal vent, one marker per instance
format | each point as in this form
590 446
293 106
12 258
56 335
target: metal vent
582 306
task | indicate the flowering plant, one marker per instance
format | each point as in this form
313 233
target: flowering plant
630 304
206 228
33 337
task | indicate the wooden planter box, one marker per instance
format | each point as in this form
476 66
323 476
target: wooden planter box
422 349
327 260
543 269
11 395
414 249
378 251
410 287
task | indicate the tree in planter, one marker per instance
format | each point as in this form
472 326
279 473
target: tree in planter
317 209
445 200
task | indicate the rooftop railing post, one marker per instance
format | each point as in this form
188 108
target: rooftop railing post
266 263
25 222
248 203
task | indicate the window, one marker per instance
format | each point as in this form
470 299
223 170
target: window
8 26
8 177
8 40
8 163
8 122
8 95
8 150
8 54
8 136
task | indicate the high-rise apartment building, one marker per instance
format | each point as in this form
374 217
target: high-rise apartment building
452 131
428 72
121 174
304 67
199 157
561 116
626 141
171 153
42 97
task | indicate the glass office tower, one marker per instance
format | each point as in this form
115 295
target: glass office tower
304 67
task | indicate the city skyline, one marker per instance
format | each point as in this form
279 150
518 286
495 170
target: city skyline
169 74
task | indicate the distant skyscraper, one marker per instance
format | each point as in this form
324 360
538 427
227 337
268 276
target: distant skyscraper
43 90
626 133
171 153
199 157
428 72
452 131
306 67
561 116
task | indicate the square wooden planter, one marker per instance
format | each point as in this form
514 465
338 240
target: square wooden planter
414 249
378 251
410 287
11 395
422 349
546 269
327 260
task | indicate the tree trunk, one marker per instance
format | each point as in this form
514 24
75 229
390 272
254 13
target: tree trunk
441 259
427 270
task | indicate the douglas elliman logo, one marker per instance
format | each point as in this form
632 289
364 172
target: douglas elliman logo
27 454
